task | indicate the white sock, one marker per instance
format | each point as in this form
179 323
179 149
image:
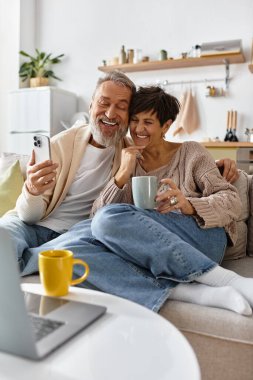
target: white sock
222 277
224 297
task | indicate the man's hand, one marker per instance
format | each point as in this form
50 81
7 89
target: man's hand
40 177
228 169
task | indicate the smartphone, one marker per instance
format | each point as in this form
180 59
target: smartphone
41 146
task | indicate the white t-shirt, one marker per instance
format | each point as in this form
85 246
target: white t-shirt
93 174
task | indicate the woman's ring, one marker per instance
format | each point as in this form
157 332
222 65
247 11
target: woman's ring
173 201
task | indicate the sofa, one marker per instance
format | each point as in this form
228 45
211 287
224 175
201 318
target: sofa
221 339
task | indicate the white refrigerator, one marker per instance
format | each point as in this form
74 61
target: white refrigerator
38 110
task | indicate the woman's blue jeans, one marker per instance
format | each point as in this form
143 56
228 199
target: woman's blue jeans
124 253
170 247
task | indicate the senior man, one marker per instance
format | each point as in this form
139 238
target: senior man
58 194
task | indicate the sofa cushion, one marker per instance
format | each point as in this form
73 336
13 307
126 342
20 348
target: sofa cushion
11 182
7 159
221 339
211 321
239 250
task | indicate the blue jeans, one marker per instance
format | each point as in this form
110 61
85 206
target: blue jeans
24 236
168 248
111 272
108 272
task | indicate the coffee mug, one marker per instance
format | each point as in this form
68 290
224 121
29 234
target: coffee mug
56 270
144 190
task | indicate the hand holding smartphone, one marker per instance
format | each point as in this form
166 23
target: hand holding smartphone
40 178
41 148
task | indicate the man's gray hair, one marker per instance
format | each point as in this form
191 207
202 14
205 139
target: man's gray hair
119 78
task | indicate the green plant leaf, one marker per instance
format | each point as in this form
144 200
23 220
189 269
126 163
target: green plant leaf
42 56
25 54
46 59
55 77
38 65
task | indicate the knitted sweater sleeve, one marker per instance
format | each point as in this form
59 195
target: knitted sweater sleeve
217 203
30 208
112 194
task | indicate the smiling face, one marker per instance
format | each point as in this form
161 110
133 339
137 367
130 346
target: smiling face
109 113
145 129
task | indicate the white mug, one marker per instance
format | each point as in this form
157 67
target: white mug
144 190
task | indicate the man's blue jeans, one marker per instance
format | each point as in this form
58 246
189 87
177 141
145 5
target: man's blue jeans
132 253
108 272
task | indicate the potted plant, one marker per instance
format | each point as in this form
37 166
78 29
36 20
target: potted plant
38 68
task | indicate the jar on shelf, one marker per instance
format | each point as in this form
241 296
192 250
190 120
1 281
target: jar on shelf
115 61
130 56
137 56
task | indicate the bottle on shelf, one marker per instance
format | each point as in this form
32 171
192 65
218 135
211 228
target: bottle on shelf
195 51
122 56
198 50
163 55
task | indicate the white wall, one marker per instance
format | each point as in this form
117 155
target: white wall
9 42
17 31
90 31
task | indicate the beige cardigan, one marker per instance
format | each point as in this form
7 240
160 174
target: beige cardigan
193 170
67 149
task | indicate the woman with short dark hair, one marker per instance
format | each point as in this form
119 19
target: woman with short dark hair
185 237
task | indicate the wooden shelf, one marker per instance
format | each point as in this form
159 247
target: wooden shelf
251 67
177 63
225 144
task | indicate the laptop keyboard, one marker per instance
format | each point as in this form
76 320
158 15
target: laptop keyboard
43 327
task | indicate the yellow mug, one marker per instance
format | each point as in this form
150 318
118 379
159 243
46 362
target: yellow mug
56 270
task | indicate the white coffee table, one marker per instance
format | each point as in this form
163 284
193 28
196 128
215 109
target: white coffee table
129 342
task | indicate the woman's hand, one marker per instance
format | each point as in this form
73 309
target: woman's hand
170 198
128 162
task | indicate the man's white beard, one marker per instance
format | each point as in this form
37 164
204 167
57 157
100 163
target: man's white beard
107 140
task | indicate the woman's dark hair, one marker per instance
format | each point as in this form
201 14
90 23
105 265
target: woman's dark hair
153 98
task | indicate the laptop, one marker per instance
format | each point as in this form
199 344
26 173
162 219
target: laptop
33 326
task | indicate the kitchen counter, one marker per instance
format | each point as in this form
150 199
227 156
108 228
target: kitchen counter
227 144
241 152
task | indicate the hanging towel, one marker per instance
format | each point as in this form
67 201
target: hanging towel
188 118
